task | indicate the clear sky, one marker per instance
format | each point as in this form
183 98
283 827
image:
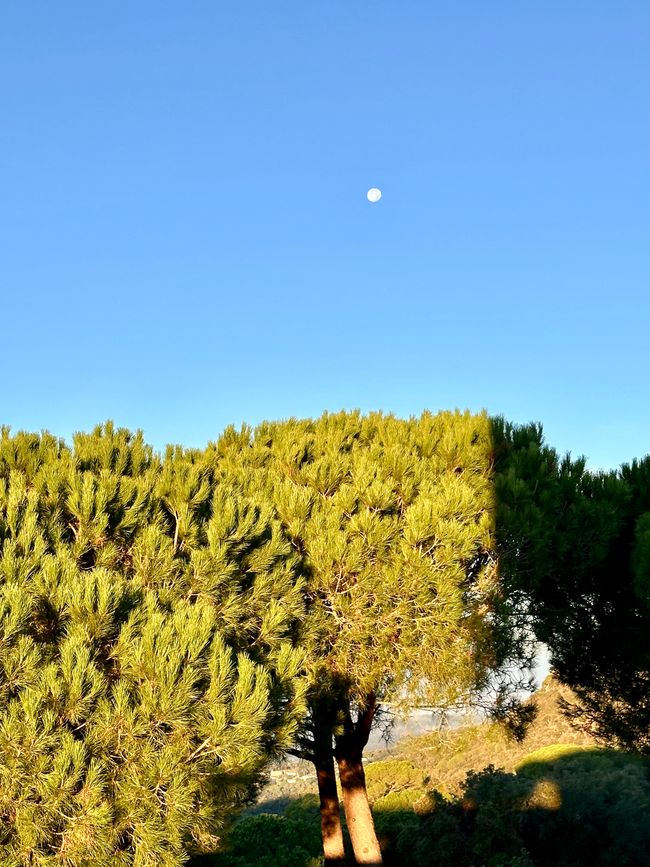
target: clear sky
185 240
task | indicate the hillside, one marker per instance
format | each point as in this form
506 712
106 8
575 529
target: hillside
444 757
447 756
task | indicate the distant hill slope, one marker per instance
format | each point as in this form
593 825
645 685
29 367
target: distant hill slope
444 757
447 756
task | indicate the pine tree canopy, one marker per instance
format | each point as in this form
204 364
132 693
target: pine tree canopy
147 664
575 549
393 522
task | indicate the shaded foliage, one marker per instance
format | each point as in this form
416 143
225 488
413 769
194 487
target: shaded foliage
575 555
274 841
580 809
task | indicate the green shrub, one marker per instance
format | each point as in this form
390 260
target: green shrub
580 809
393 775
602 812
273 841
403 801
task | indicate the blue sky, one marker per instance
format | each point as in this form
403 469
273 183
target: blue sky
185 238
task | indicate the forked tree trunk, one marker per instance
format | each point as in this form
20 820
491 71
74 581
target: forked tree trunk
349 752
330 814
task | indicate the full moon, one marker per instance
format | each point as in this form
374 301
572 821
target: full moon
373 194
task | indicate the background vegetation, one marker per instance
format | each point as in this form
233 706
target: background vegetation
438 800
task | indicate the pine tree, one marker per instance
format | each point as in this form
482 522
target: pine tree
147 662
393 524
576 552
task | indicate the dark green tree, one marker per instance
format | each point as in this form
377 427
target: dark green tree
147 669
576 556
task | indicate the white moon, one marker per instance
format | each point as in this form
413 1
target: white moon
373 194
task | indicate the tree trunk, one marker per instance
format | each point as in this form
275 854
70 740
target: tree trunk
322 755
330 815
359 819
349 753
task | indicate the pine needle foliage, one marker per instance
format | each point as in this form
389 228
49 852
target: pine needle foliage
148 667
575 550
393 524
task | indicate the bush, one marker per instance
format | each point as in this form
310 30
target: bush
272 841
580 808
391 776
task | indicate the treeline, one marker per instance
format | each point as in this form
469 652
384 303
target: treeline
171 623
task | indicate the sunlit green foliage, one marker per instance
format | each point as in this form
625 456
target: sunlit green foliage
150 610
147 670
393 776
393 522
274 841
545 756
